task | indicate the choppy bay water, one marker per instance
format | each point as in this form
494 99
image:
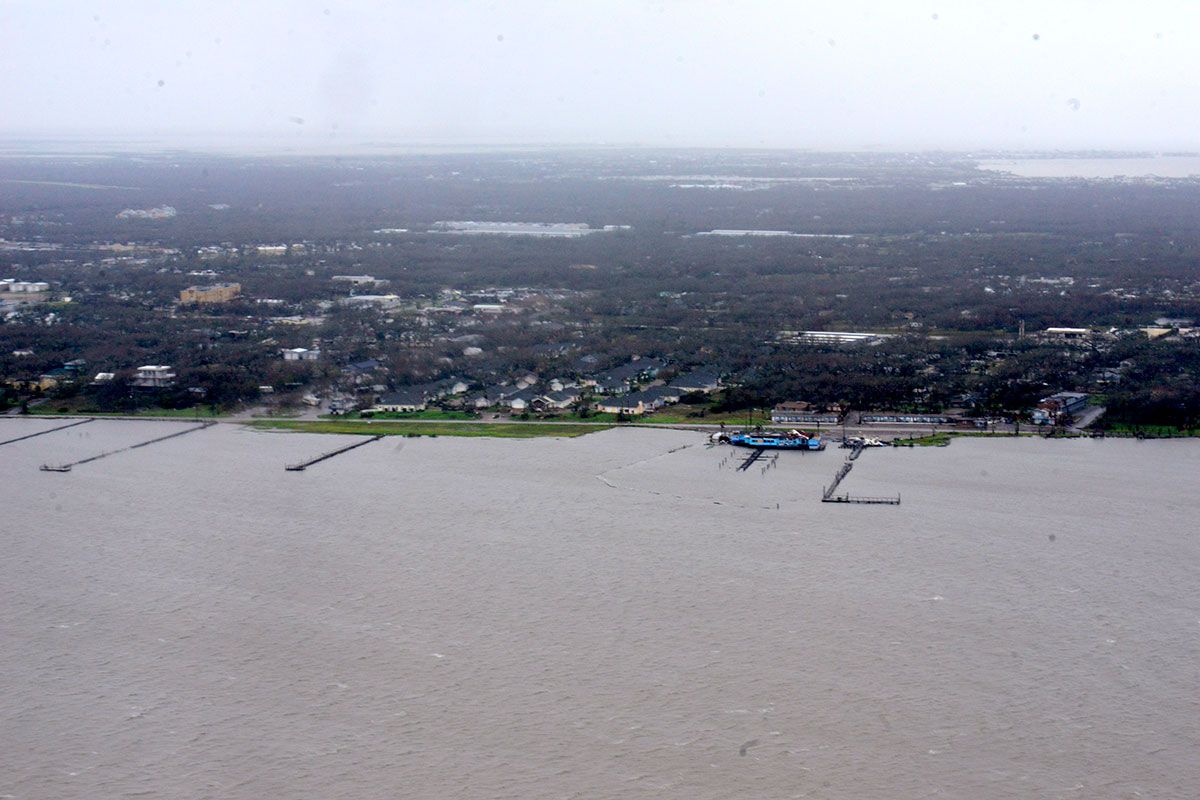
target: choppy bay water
1097 168
620 615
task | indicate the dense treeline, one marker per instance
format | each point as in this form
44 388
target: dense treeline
926 247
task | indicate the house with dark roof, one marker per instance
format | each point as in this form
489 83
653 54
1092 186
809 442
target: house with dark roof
619 379
631 405
659 396
555 401
492 396
519 401
407 399
698 380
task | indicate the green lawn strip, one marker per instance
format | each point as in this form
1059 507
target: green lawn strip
1130 429
507 430
427 414
681 415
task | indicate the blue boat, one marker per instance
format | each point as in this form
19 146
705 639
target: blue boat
778 440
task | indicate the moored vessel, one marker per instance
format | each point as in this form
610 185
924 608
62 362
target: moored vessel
775 440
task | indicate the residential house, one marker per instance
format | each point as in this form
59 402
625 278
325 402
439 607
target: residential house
659 396
698 380
55 377
402 401
629 405
520 401
555 401
154 376
487 398
619 380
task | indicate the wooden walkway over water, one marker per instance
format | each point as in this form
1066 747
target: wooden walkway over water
43 433
98 456
829 496
303 465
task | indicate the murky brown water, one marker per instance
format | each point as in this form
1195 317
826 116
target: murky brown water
595 618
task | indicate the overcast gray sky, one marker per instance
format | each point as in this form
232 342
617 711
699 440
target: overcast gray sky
845 75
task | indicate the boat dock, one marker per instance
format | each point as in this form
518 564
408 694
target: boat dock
51 430
97 457
306 464
828 495
870 501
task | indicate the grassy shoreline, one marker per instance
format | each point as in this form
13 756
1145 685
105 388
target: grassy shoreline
507 430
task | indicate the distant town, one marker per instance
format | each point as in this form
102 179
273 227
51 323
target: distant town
680 288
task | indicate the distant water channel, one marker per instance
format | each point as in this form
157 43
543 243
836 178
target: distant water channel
1160 167
622 615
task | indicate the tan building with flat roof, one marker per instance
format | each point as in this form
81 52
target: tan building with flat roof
216 293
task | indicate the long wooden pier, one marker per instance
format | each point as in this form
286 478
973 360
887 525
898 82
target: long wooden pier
828 495
306 464
868 501
51 430
106 454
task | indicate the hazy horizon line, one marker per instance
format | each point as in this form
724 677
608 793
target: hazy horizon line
253 144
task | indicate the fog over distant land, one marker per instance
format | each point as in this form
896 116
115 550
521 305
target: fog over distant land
870 75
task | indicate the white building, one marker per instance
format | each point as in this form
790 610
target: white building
28 287
154 376
355 280
834 337
300 354
381 300
1068 333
